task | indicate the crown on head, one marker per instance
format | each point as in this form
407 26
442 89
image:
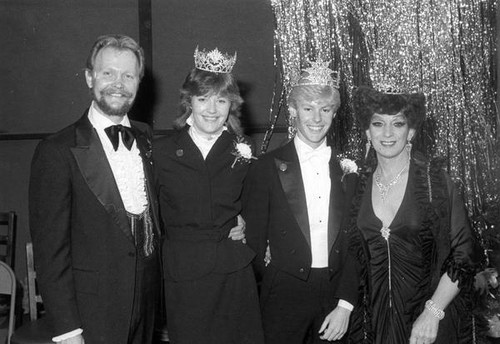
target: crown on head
214 61
318 74
388 88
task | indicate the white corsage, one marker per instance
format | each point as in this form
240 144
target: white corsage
348 166
242 151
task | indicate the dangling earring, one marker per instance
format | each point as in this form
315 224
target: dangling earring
408 148
292 128
368 146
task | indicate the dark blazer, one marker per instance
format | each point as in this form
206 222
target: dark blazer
199 201
83 246
275 210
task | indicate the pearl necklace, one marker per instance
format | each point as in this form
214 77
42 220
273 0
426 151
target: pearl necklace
384 188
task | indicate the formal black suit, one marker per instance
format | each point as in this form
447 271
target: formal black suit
84 249
275 210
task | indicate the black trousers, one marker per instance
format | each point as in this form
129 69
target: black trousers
146 300
293 310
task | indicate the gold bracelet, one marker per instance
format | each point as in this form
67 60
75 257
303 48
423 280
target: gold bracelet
435 310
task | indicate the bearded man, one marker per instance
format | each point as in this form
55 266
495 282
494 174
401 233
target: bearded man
93 212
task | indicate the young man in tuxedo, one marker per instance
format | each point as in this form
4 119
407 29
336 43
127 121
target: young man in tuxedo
296 202
93 211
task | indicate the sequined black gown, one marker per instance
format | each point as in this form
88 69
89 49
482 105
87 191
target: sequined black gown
396 268
398 275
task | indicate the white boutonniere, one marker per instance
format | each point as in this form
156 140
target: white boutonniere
348 166
242 151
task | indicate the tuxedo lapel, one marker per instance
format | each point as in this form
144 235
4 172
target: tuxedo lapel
96 171
288 167
337 199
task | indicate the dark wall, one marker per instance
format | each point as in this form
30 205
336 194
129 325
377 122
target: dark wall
244 26
15 157
45 44
44 47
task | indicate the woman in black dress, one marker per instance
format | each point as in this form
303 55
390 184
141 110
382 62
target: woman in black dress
210 289
410 232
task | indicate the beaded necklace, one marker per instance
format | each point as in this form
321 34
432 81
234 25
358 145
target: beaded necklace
384 188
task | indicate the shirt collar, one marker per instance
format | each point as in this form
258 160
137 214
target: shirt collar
303 148
101 121
199 136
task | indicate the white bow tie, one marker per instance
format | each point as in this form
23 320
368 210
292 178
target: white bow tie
321 154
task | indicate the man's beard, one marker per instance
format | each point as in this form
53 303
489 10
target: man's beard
106 108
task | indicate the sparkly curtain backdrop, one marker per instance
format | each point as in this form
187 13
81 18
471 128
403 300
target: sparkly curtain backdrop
444 48
310 30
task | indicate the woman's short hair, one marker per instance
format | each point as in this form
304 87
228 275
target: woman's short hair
118 42
199 82
313 92
368 101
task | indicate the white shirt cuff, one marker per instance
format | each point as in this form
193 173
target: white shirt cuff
346 305
67 335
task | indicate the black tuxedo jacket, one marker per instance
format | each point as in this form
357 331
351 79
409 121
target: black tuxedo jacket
83 246
275 211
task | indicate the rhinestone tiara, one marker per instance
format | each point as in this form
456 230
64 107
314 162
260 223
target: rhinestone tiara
317 74
214 61
388 88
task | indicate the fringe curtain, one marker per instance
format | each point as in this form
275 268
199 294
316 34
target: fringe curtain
444 48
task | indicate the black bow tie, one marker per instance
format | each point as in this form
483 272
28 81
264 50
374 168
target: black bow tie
128 135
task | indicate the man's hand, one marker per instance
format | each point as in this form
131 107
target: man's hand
425 328
78 339
335 324
238 232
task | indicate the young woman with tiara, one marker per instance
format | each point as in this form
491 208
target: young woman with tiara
210 289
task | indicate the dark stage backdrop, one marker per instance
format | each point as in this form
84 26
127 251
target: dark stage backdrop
44 47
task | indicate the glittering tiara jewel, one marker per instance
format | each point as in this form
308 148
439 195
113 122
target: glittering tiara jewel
214 61
388 88
318 74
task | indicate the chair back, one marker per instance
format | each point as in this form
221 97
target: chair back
36 331
8 287
8 237
34 297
